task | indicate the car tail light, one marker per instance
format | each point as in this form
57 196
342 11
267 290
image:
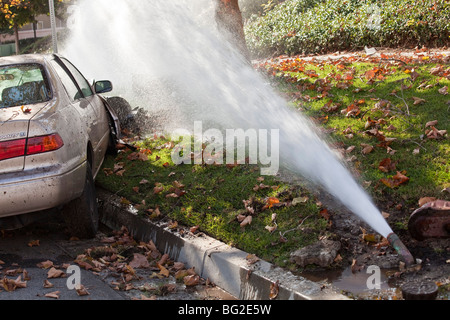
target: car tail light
12 149
35 145
44 144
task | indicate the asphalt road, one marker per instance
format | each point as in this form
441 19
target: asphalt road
25 252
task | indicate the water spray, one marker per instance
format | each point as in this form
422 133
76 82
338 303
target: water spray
161 40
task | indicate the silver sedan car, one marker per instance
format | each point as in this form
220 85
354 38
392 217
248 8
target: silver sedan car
55 129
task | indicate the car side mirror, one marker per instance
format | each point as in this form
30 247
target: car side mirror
103 86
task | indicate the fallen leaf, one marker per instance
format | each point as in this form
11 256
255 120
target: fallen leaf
251 258
370 238
158 188
172 195
25 110
324 214
414 75
274 289
45 264
425 200
367 149
8 284
298 200
355 268
338 258
178 185
369 74
25 275
395 181
162 270
271 201
436 70
173 225
386 165
124 201
154 213
81 290
55 273
180 274
270 228
443 90
418 100
194 229
48 284
19 283
33 243
385 214
54 295
178 266
191 280
139 261
163 259
247 220
431 123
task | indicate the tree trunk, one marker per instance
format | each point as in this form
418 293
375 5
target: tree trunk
229 21
34 29
16 37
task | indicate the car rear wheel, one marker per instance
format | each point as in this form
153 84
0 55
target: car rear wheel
81 215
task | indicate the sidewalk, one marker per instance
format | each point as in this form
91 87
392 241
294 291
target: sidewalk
225 266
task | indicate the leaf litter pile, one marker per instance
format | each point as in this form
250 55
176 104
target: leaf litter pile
137 268
386 115
130 264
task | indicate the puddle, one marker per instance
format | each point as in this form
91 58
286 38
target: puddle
358 283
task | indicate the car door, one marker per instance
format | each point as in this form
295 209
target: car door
99 129
79 96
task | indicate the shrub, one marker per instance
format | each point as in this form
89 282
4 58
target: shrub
317 26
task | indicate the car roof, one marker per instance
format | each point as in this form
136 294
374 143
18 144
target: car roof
25 58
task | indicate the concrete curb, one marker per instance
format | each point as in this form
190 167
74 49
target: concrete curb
226 266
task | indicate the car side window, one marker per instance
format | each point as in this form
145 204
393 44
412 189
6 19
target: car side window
79 78
69 85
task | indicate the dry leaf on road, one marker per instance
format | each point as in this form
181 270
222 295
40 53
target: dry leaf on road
54 295
55 273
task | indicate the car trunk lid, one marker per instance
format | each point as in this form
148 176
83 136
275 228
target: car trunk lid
14 124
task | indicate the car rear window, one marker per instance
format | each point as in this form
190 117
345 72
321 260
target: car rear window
23 84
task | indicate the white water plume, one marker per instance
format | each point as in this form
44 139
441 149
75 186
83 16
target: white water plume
168 56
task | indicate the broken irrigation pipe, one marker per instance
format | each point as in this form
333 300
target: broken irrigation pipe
403 252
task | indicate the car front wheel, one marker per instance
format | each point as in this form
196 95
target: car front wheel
81 215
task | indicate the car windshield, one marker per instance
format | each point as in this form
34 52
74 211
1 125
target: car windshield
23 84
